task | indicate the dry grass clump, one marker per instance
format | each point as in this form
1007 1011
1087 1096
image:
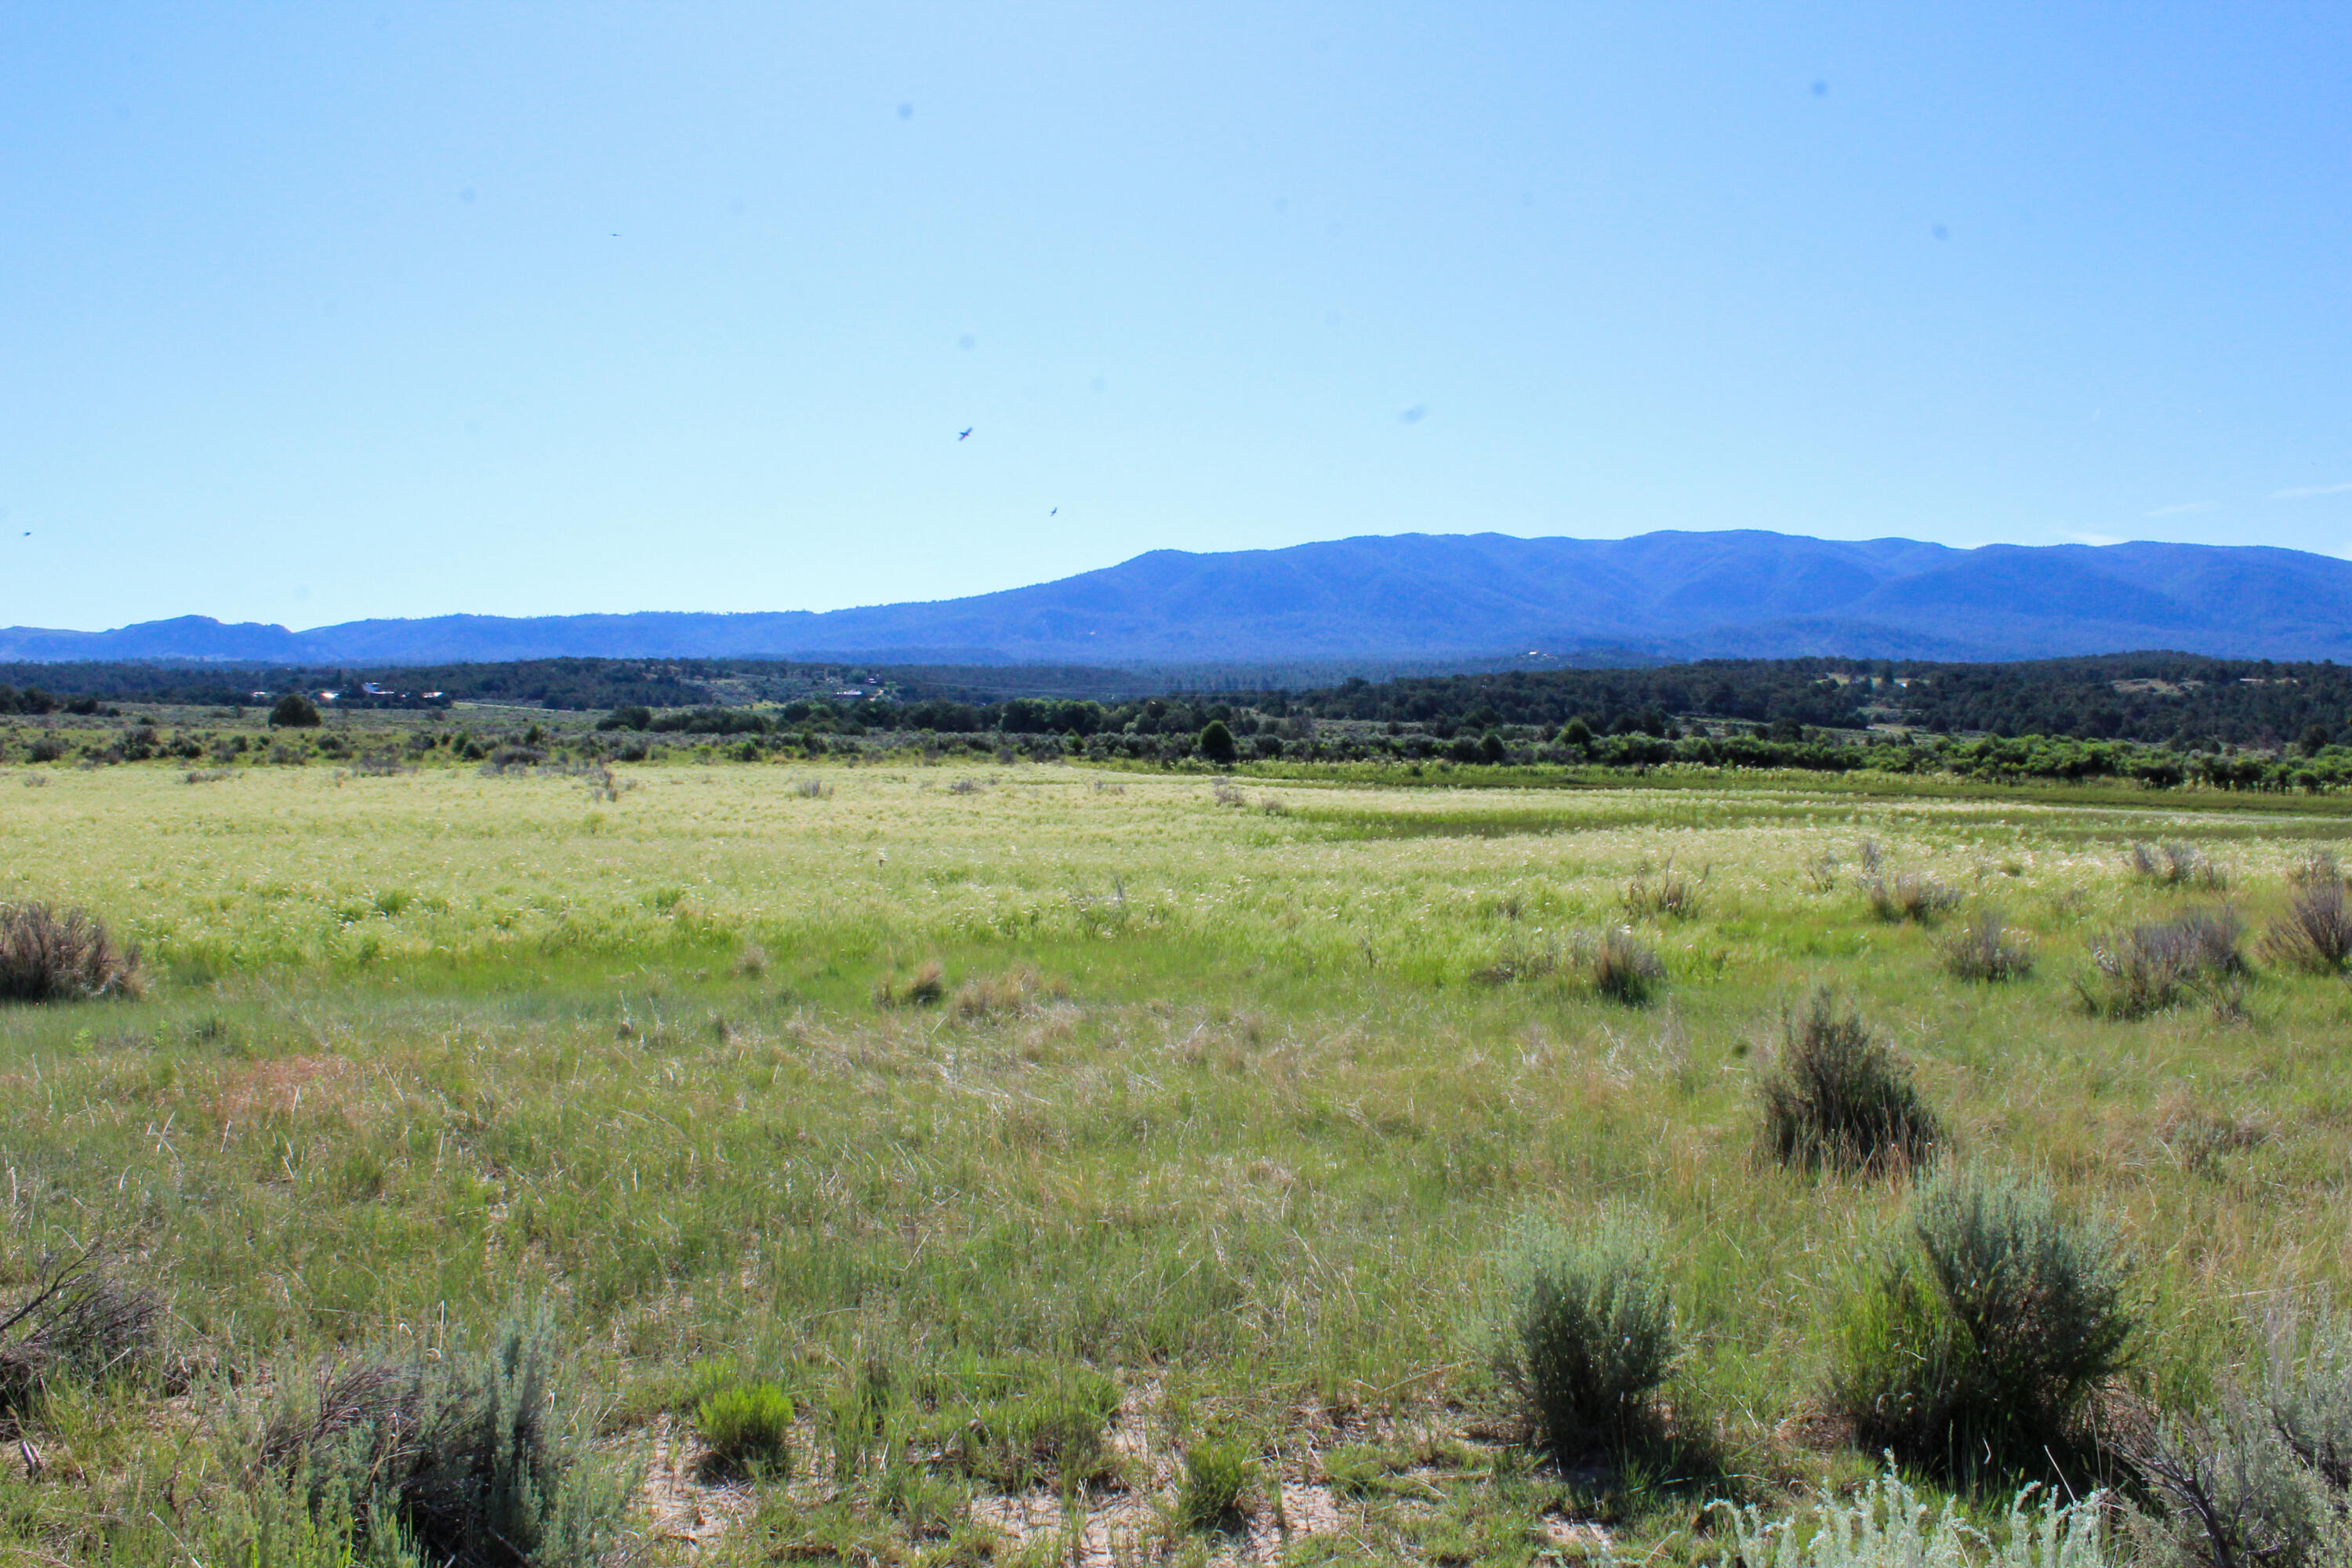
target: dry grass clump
927 988
751 962
1611 964
817 789
1983 950
1836 1096
2197 1138
50 955
2176 865
1908 896
80 1321
966 786
1016 993
1226 795
2151 966
2317 866
1672 897
2315 931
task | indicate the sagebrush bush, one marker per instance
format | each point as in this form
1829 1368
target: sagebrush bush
79 1320
1836 1096
2176 865
2149 968
1984 950
2315 931
53 956
1218 1478
749 1424
1908 896
2231 1492
2262 1477
1888 1525
470 1459
1981 1332
1585 1332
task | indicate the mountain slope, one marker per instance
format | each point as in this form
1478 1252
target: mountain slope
1741 593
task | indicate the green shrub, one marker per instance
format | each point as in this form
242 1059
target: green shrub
294 712
469 1459
1888 1525
1585 1334
1835 1095
1218 1478
1217 743
1981 1332
51 956
749 1424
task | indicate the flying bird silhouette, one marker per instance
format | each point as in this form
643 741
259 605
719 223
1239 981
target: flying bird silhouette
1055 512
964 432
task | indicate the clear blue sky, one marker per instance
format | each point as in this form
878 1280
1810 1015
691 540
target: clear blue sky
313 312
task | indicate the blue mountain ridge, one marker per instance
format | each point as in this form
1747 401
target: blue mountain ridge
1741 594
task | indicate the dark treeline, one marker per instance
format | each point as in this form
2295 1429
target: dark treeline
2186 701
2181 698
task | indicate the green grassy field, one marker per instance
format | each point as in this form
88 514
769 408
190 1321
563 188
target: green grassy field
1231 1092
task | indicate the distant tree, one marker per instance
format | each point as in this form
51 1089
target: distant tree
2313 738
1576 733
1217 743
294 712
1491 748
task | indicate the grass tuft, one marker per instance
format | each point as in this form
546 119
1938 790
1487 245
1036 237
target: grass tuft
924 988
1219 1476
748 1428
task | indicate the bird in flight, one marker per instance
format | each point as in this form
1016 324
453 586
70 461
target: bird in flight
1055 512
964 432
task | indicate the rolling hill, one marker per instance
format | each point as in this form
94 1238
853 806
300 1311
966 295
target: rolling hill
1670 594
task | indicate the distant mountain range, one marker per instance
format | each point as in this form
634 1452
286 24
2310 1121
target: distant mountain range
1387 597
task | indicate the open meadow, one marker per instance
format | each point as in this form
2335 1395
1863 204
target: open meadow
1111 1166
